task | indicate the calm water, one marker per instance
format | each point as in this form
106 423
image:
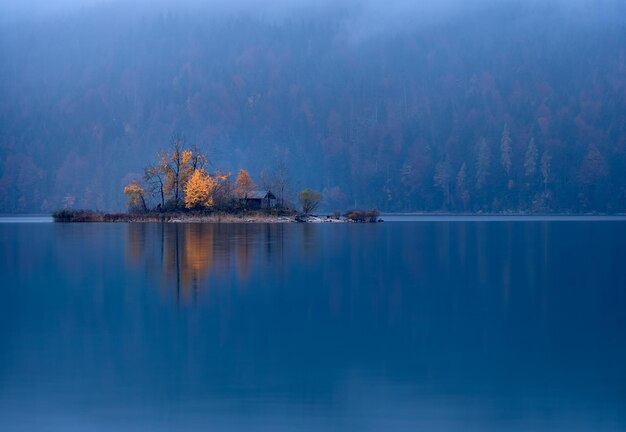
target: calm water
430 325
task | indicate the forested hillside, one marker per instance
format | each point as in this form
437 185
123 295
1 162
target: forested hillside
520 106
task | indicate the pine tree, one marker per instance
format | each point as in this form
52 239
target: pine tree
483 162
545 170
441 180
461 189
530 161
506 150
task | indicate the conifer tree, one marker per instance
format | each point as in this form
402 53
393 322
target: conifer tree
461 188
546 158
505 150
441 179
530 161
483 162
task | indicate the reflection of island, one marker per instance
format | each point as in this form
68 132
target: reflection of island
188 258
185 255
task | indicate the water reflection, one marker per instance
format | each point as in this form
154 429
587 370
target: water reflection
184 255
493 326
387 273
462 308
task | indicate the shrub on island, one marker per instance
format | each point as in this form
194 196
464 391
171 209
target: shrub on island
362 215
71 215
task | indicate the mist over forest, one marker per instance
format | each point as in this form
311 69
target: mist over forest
476 106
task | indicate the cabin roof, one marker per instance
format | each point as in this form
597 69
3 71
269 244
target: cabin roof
260 194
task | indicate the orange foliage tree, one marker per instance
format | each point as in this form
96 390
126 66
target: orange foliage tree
176 167
243 183
202 189
199 190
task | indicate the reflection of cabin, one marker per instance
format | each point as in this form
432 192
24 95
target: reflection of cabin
259 199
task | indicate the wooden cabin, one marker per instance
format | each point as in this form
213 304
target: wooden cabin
260 200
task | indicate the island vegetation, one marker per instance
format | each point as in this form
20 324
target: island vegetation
183 185
182 179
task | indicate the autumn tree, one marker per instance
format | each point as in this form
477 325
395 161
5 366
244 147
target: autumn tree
199 190
171 163
135 193
177 166
309 200
243 183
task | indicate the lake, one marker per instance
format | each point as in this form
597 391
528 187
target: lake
435 324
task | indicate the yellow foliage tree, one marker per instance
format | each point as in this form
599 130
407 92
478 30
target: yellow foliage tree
135 194
168 179
178 165
199 189
243 183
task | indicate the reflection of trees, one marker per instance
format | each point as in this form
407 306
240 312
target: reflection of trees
135 239
310 240
480 257
257 241
244 252
185 255
182 254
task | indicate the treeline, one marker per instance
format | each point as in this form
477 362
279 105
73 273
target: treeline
512 107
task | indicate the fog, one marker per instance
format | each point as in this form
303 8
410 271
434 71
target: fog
399 105
363 18
374 10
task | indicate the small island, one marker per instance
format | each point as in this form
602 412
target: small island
181 187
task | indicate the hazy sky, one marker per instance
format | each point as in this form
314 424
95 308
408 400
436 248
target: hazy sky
366 17
385 7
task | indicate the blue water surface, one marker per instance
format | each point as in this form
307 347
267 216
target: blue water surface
435 325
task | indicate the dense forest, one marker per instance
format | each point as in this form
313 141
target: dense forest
513 106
